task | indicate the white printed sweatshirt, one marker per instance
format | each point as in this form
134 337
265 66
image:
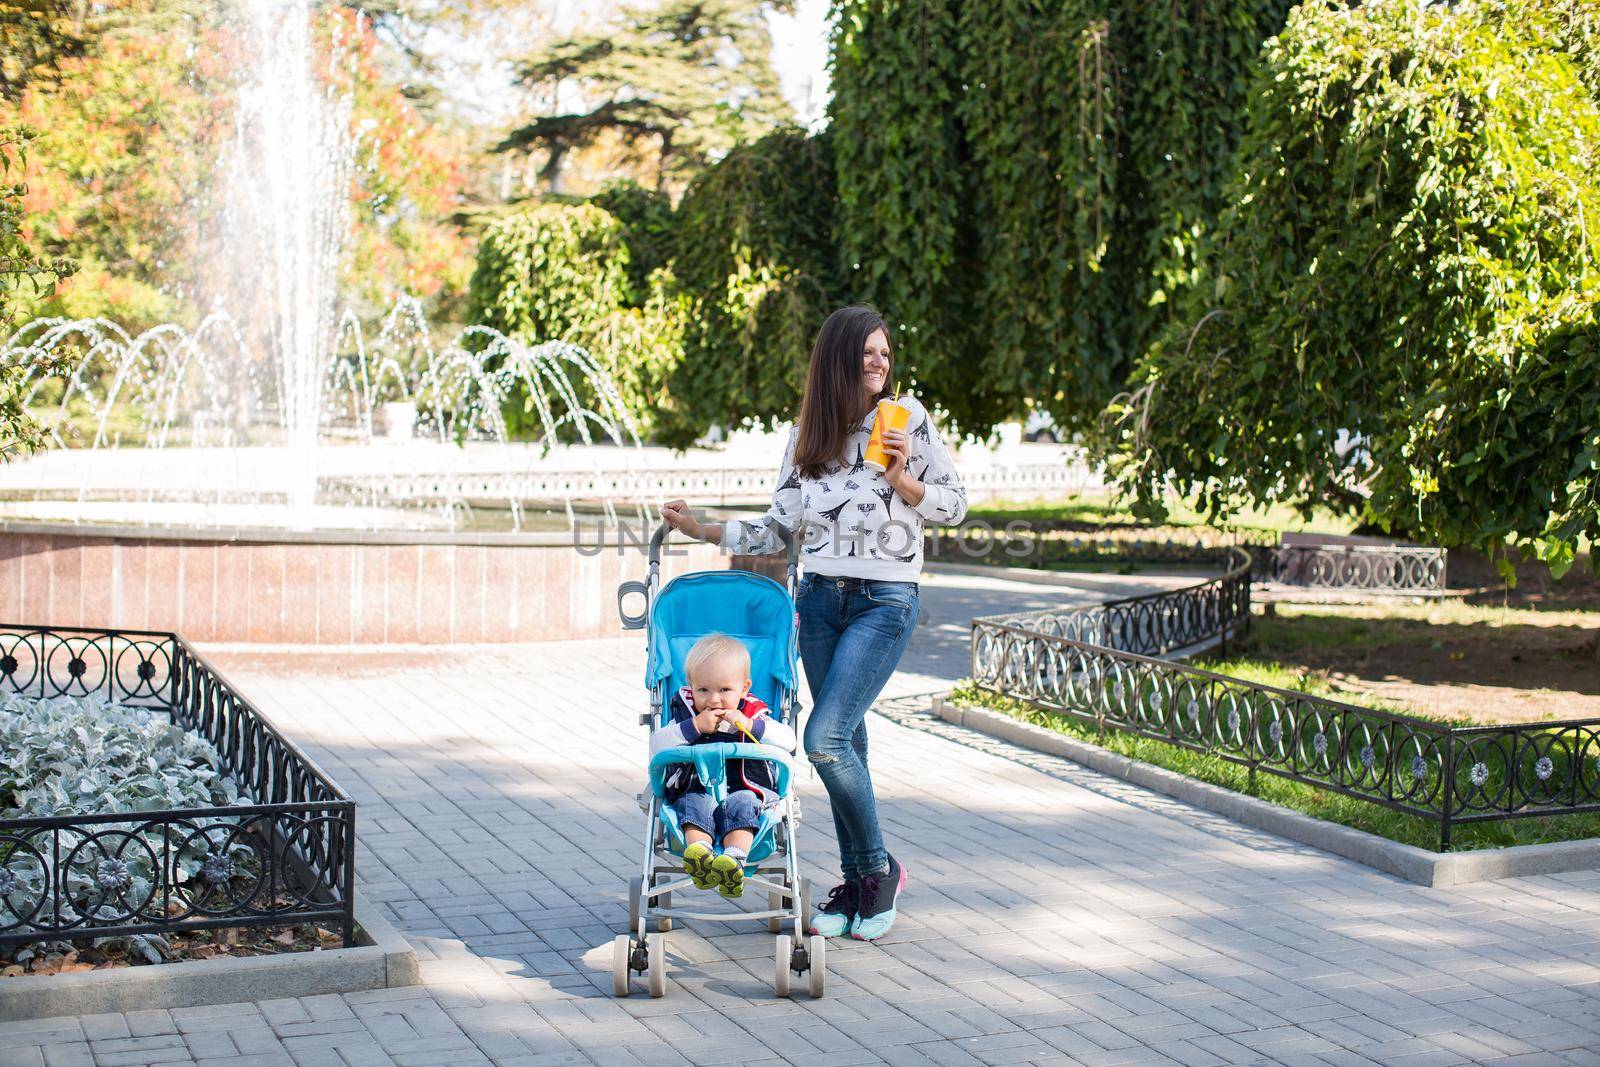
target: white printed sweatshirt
855 524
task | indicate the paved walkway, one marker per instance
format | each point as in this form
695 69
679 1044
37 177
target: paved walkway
1053 915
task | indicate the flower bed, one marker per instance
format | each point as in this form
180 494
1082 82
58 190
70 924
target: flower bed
143 796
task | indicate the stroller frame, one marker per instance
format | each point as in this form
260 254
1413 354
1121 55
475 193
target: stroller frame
662 873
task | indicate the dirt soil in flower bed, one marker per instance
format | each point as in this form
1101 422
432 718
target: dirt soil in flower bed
191 945
1524 654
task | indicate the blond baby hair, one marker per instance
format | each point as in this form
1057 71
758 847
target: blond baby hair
714 647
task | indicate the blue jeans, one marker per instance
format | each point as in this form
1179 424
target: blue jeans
852 634
740 811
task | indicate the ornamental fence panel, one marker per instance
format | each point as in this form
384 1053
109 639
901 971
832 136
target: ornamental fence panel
1101 665
283 855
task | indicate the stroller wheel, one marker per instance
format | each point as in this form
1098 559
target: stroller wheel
621 949
780 974
636 905
663 923
658 964
818 974
805 909
775 902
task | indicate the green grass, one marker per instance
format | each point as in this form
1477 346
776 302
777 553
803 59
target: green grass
1285 676
1449 661
1296 627
1309 800
1102 508
1070 509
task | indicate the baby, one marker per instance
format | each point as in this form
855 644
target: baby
706 711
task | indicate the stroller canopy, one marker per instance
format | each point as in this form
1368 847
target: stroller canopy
742 604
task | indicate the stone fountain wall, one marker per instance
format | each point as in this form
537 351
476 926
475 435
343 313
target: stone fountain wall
325 588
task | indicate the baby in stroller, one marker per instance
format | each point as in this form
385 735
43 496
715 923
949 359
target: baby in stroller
716 705
723 718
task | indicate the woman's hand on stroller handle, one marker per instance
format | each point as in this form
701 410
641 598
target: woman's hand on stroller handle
680 516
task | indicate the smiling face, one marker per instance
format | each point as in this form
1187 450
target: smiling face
876 363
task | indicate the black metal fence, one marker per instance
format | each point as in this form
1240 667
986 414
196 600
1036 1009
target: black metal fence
1158 623
1303 561
1414 570
1040 543
1097 665
286 856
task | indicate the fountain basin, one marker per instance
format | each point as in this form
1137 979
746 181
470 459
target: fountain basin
329 587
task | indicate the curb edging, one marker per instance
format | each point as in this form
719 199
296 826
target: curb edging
1409 862
382 958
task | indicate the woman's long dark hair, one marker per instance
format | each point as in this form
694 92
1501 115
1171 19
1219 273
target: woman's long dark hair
831 406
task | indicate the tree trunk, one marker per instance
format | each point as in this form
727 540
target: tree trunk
552 171
661 165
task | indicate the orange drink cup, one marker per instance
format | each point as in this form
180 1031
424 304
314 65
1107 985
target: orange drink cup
896 416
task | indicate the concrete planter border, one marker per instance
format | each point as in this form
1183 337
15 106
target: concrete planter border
1409 862
382 958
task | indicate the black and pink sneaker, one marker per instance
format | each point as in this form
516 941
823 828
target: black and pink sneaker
835 916
879 895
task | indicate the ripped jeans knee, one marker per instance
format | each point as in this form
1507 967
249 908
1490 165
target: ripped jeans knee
820 758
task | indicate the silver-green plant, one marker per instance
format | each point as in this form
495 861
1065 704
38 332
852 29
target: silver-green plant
88 756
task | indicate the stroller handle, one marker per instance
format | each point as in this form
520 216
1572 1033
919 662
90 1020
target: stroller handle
647 588
711 764
791 543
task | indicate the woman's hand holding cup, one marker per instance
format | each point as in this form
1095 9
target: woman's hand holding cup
897 445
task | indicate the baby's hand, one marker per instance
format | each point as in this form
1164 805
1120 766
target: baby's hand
707 721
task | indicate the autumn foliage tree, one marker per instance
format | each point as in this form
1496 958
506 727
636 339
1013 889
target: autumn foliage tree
132 128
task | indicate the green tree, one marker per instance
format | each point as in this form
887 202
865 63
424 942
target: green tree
647 217
704 314
905 229
685 79
757 260
1024 182
559 272
21 268
1405 257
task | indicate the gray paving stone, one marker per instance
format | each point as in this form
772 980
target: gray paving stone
1137 931
161 1054
75 1054
150 1023
210 1045
111 1025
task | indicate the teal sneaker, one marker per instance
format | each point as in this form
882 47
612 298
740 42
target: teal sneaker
879 894
697 864
833 918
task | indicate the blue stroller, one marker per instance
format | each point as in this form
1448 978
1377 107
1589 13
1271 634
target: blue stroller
761 614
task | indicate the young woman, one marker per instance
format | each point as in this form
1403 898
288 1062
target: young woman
861 548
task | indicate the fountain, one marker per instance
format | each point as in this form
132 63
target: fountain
301 449
238 480
276 375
